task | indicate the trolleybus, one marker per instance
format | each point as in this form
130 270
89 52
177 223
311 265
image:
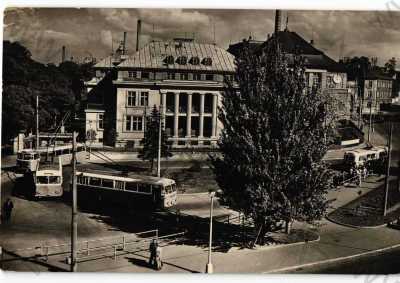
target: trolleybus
360 157
134 190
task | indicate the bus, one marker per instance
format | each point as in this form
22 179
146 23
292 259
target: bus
46 181
134 190
29 159
360 157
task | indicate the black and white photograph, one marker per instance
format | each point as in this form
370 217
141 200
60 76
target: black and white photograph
211 141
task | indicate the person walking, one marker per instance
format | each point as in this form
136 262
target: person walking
7 209
152 250
159 262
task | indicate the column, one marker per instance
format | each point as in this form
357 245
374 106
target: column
214 115
201 116
189 116
164 108
176 115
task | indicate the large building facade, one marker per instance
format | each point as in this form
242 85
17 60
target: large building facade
182 78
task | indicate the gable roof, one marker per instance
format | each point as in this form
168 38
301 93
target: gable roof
154 54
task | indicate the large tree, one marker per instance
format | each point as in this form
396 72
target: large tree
151 139
275 133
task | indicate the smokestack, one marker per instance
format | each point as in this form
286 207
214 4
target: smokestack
63 54
278 20
139 27
124 44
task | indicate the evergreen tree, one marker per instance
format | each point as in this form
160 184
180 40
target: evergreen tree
150 140
275 133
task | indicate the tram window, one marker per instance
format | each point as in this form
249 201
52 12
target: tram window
144 188
108 183
95 181
130 186
156 188
119 185
66 151
41 180
173 187
27 157
36 156
54 179
19 155
58 152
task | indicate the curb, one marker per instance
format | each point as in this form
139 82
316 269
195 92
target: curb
236 249
354 226
332 260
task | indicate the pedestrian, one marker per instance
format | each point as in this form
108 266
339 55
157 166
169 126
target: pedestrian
365 172
7 209
159 262
152 250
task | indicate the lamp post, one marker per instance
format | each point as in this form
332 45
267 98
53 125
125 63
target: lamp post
209 267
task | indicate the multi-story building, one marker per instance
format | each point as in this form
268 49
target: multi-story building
322 72
183 78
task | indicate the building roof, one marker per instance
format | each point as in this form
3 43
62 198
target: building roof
378 74
154 56
110 61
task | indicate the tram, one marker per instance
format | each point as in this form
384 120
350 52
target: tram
134 190
360 157
46 181
29 159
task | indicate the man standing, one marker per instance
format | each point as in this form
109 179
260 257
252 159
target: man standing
7 208
152 250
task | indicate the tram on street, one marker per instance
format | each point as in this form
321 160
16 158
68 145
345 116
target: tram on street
130 189
360 157
46 181
29 159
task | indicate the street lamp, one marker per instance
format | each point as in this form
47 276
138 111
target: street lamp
209 267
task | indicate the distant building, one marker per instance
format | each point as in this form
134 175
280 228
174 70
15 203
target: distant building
184 77
322 72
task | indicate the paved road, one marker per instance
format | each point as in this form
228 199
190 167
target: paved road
383 263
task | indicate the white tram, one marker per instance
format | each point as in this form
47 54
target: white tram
135 190
29 159
46 181
360 157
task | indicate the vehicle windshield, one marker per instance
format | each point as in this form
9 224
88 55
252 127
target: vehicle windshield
42 180
54 180
349 157
170 189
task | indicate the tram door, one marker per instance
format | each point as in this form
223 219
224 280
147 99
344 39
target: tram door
157 200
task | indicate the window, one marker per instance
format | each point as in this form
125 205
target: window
145 75
184 76
108 183
370 84
119 185
209 77
169 60
170 76
144 99
207 61
132 74
41 180
195 61
95 181
100 121
134 123
131 98
144 188
196 77
131 186
316 80
181 60
54 180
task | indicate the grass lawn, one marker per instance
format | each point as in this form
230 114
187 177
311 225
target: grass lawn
367 210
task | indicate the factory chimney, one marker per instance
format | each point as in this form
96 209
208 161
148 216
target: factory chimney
139 27
278 21
124 44
63 54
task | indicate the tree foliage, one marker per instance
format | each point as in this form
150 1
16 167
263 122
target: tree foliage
275 133
150 140
58 87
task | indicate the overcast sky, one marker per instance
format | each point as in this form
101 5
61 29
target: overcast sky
87 32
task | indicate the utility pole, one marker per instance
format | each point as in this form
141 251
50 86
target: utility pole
209 267
388 168
37 121
74 222
159 143
370 118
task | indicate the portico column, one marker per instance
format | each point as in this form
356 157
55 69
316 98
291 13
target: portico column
201 115
189 116
176 115
214 115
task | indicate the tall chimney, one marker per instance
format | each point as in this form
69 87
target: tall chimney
139 27
124 44
278 20
63 54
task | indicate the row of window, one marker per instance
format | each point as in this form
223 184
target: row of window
43 180
175 76
118 185
137 98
